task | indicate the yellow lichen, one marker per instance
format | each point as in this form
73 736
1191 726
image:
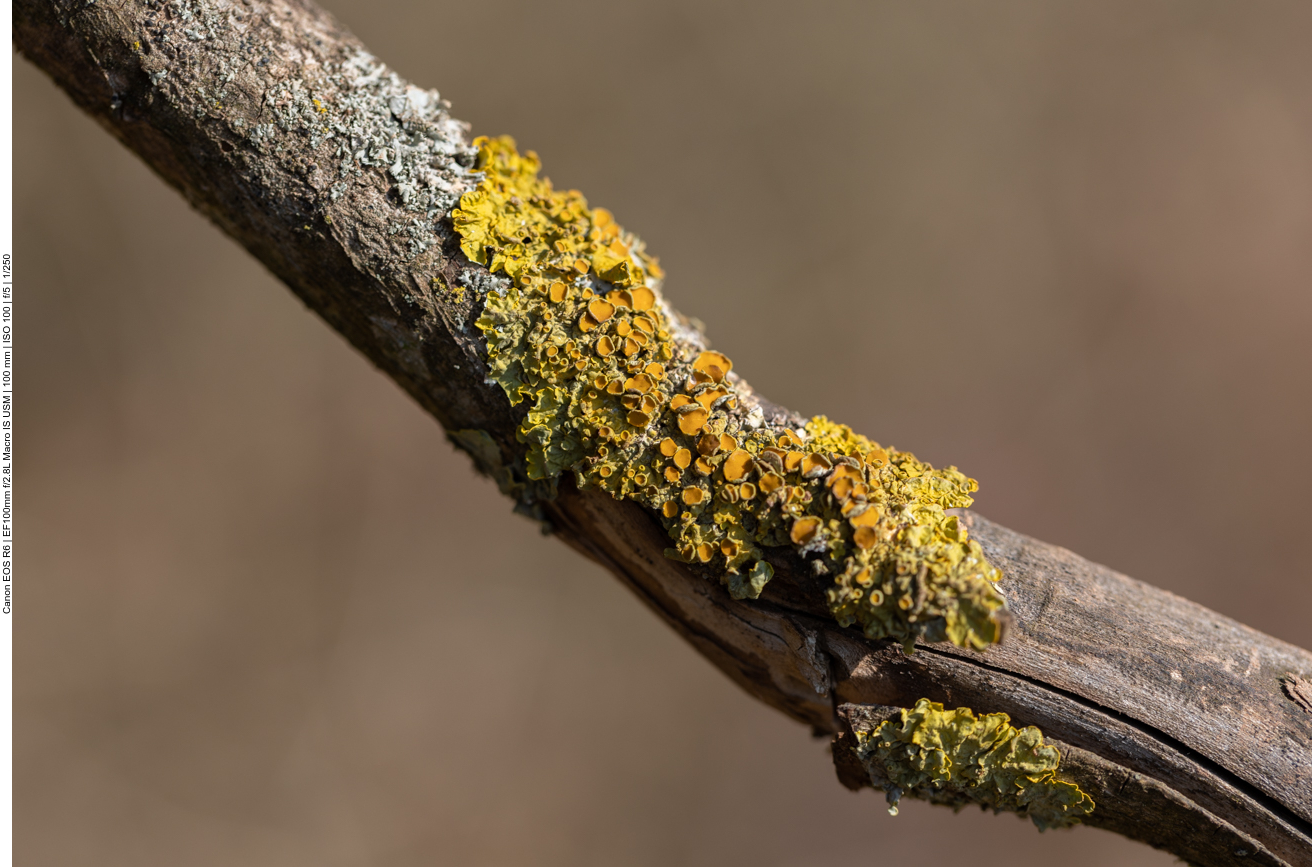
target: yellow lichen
457 292
956 758
581 336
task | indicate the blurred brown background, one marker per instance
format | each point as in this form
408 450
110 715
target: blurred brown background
267 616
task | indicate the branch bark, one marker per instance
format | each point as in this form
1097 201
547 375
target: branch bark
277 124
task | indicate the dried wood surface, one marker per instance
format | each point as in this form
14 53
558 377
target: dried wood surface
1186 727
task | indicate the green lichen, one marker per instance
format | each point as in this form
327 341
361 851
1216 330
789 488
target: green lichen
582 336
956 758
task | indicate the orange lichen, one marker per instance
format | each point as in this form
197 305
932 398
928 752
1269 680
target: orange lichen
714 364
804 530
735 466
866 517
865 537
814 465
708 397
692 420
582 337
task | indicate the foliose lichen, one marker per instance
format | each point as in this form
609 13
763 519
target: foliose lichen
956 758
616 396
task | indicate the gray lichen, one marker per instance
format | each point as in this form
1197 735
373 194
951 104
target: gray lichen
347 107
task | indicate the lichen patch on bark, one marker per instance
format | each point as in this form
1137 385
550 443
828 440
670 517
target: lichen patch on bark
957 758
582 336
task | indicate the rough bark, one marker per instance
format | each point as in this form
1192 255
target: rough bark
1186 727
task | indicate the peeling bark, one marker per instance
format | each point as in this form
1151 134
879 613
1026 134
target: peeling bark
1190 731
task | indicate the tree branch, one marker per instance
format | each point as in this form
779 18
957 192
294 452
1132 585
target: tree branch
277 124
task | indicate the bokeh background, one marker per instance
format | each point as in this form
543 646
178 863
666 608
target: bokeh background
267 616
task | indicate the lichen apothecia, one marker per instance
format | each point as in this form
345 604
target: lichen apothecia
582 334
956 758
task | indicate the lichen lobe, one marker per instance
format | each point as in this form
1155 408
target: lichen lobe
616 396
956 758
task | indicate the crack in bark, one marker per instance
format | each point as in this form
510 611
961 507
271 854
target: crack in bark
1153 734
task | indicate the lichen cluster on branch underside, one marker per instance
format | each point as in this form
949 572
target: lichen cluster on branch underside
582 335
956 758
